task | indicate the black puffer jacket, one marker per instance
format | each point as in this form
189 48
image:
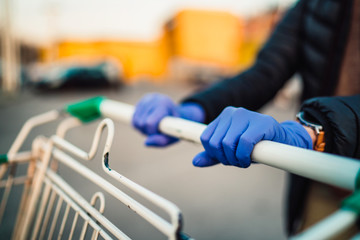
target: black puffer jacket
340 117
309 40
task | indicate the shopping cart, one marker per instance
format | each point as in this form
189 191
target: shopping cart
51 208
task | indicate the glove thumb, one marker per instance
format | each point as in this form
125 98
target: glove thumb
204 160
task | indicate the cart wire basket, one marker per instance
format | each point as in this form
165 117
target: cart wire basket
50 208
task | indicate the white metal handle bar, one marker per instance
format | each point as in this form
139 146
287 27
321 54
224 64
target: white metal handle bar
323 167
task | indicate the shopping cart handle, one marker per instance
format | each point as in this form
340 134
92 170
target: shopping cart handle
328 168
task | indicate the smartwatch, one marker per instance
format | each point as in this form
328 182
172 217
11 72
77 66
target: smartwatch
318 129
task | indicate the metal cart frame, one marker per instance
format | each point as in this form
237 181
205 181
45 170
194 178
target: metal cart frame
38 211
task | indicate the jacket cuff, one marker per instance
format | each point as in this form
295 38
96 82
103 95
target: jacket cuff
340 123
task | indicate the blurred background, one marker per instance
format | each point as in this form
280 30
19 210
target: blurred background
54 52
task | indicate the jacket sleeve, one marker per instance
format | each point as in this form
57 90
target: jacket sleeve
340 117
275 64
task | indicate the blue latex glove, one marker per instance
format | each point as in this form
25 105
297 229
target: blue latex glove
153 107
231 137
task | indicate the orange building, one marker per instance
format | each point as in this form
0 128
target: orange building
136 59
212 41
207 36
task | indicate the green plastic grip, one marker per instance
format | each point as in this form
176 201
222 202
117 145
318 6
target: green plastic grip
352 202
86 110
357 180
3 158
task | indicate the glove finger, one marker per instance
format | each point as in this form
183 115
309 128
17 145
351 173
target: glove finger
212 144
231 140
159 106
141 110
135 118
151 123
253 134
216 140
206 136
202 159
144 116
159 140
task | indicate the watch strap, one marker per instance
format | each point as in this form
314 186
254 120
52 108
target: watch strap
319 144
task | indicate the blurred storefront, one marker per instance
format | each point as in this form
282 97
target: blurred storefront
195 45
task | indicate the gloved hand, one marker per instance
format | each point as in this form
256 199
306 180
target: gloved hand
153 107
231 137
